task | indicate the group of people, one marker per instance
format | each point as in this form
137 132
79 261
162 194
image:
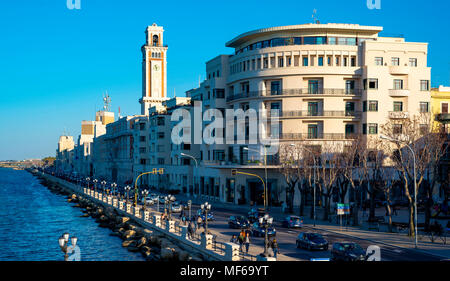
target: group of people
244 240
194 224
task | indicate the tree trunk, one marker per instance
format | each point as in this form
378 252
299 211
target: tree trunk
355 215
411 219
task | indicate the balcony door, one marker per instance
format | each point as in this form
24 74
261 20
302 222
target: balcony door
349 87
349 108
313 131
275 88
349 130
313 87
313 108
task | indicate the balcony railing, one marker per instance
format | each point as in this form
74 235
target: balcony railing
312 136
320 113
295 92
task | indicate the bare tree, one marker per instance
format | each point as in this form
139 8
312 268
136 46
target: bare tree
288 169
426 146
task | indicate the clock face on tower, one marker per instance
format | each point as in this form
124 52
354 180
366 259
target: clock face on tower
156 67
156 79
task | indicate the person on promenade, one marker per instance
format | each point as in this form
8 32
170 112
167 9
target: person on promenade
274 246
234 239
247 242
241 240
191 229
199 222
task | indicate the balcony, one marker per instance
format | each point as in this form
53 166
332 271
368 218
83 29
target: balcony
296 92
443 118
398 114
398 93
320 113
306 136
400 70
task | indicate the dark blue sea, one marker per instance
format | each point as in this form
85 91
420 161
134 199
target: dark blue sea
32 219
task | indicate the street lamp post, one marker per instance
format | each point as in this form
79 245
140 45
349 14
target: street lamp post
113 188
190 206
104 186
196 166
314 182
265 172
64 244
265 221
205 208
170 199
415 184
88 179
95 184
127 189
144 194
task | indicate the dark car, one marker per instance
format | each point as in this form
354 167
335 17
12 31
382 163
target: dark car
311 241
347 251
238 222
292 222
255 214
258 230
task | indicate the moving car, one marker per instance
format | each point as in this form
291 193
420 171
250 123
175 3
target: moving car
255 214
311 241
347 251
148 200
258 230
176 207
293 222
238 222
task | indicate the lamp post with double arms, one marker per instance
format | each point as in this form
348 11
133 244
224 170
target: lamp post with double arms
415 183
95 184
144 195
64 244
265 222
127 189
88 179
205 208
113 188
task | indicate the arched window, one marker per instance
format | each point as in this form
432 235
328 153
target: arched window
155 40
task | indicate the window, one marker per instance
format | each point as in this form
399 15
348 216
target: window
142 150
371 83
349 108
313 86
313 108
329 61
424 85
378 61
345 61
423 107
395 61
219 155
142 138
398 84
305 61
397 129
161 161
320 63
349 130
373 128
444 107
364 129
160 135
353 61
155 40
413 62
313 132
398 106
275 88
219 93
314 40
280 62
143 161
373 105
142 126
349 87
423 129
160 121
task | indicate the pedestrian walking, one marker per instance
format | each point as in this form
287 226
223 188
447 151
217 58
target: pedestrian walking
191 229
199 222
274 246
241 239
247 242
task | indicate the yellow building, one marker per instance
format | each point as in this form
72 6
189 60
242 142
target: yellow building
440 101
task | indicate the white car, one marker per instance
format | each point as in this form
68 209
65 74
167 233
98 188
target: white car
149 200
176 207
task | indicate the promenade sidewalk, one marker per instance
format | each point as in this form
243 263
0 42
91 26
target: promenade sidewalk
401 240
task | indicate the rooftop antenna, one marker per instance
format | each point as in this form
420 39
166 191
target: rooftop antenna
199 79
106 102
119 113
314 17
174 93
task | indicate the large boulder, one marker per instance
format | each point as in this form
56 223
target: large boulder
167 253
141 242
128 234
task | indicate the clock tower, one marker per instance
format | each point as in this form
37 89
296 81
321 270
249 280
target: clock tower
154 69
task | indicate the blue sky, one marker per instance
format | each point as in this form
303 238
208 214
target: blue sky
56 63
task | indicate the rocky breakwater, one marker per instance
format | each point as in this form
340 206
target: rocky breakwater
153 246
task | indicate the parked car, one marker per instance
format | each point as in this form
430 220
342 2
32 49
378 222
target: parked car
238 222
148 200
255 214
292 222
258 230
210 215
161 199
311 241
347 251
176 207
